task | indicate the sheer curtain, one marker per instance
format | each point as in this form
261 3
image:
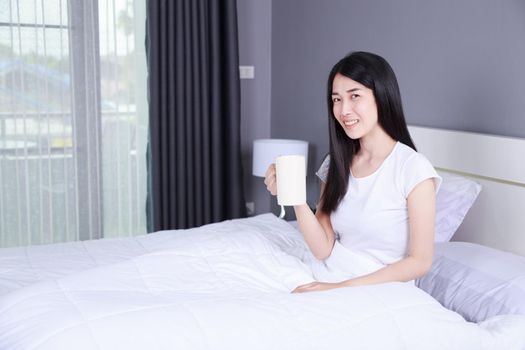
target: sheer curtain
73 120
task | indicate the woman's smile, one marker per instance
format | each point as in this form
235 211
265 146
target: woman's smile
351 122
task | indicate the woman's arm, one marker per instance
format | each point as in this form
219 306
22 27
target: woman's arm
316 229
421 213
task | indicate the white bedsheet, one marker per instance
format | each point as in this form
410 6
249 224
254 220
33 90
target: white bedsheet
227 286
23 266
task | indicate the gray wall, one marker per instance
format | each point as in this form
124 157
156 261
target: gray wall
254 23
460 64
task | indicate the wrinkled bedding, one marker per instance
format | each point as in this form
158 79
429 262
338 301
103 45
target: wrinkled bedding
220 286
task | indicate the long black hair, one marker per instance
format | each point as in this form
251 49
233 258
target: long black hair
375 73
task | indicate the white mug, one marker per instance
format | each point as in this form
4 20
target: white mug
291 180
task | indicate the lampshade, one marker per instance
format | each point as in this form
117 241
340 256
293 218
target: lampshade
266 150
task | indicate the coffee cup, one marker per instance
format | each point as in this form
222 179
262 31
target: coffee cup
291 179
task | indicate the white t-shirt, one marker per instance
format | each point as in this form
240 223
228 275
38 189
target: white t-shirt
372 219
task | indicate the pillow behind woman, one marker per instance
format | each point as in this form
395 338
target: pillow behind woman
453 200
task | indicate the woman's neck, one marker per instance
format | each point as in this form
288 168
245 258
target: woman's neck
376 145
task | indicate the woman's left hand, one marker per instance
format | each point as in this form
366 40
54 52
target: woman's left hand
316 287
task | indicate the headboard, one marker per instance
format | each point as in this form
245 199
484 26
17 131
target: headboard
497 218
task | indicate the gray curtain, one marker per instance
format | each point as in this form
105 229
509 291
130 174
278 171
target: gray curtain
195 174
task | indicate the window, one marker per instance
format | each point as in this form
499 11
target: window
73 122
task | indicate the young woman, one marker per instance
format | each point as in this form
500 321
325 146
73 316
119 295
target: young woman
375 219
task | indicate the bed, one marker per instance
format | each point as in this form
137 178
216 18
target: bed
227 285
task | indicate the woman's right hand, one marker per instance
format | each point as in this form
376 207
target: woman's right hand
270 180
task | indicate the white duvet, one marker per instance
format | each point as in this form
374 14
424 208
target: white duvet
227 286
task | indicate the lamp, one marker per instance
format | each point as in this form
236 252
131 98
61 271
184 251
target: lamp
266 150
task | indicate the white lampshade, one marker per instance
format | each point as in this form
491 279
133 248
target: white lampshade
266 150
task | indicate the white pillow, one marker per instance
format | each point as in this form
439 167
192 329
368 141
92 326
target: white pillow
476 281
453 200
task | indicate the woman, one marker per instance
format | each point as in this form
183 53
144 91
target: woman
377 192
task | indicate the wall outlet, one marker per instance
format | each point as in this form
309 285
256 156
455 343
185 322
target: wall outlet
250 208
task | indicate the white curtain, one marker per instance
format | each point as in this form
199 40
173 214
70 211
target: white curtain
73 120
